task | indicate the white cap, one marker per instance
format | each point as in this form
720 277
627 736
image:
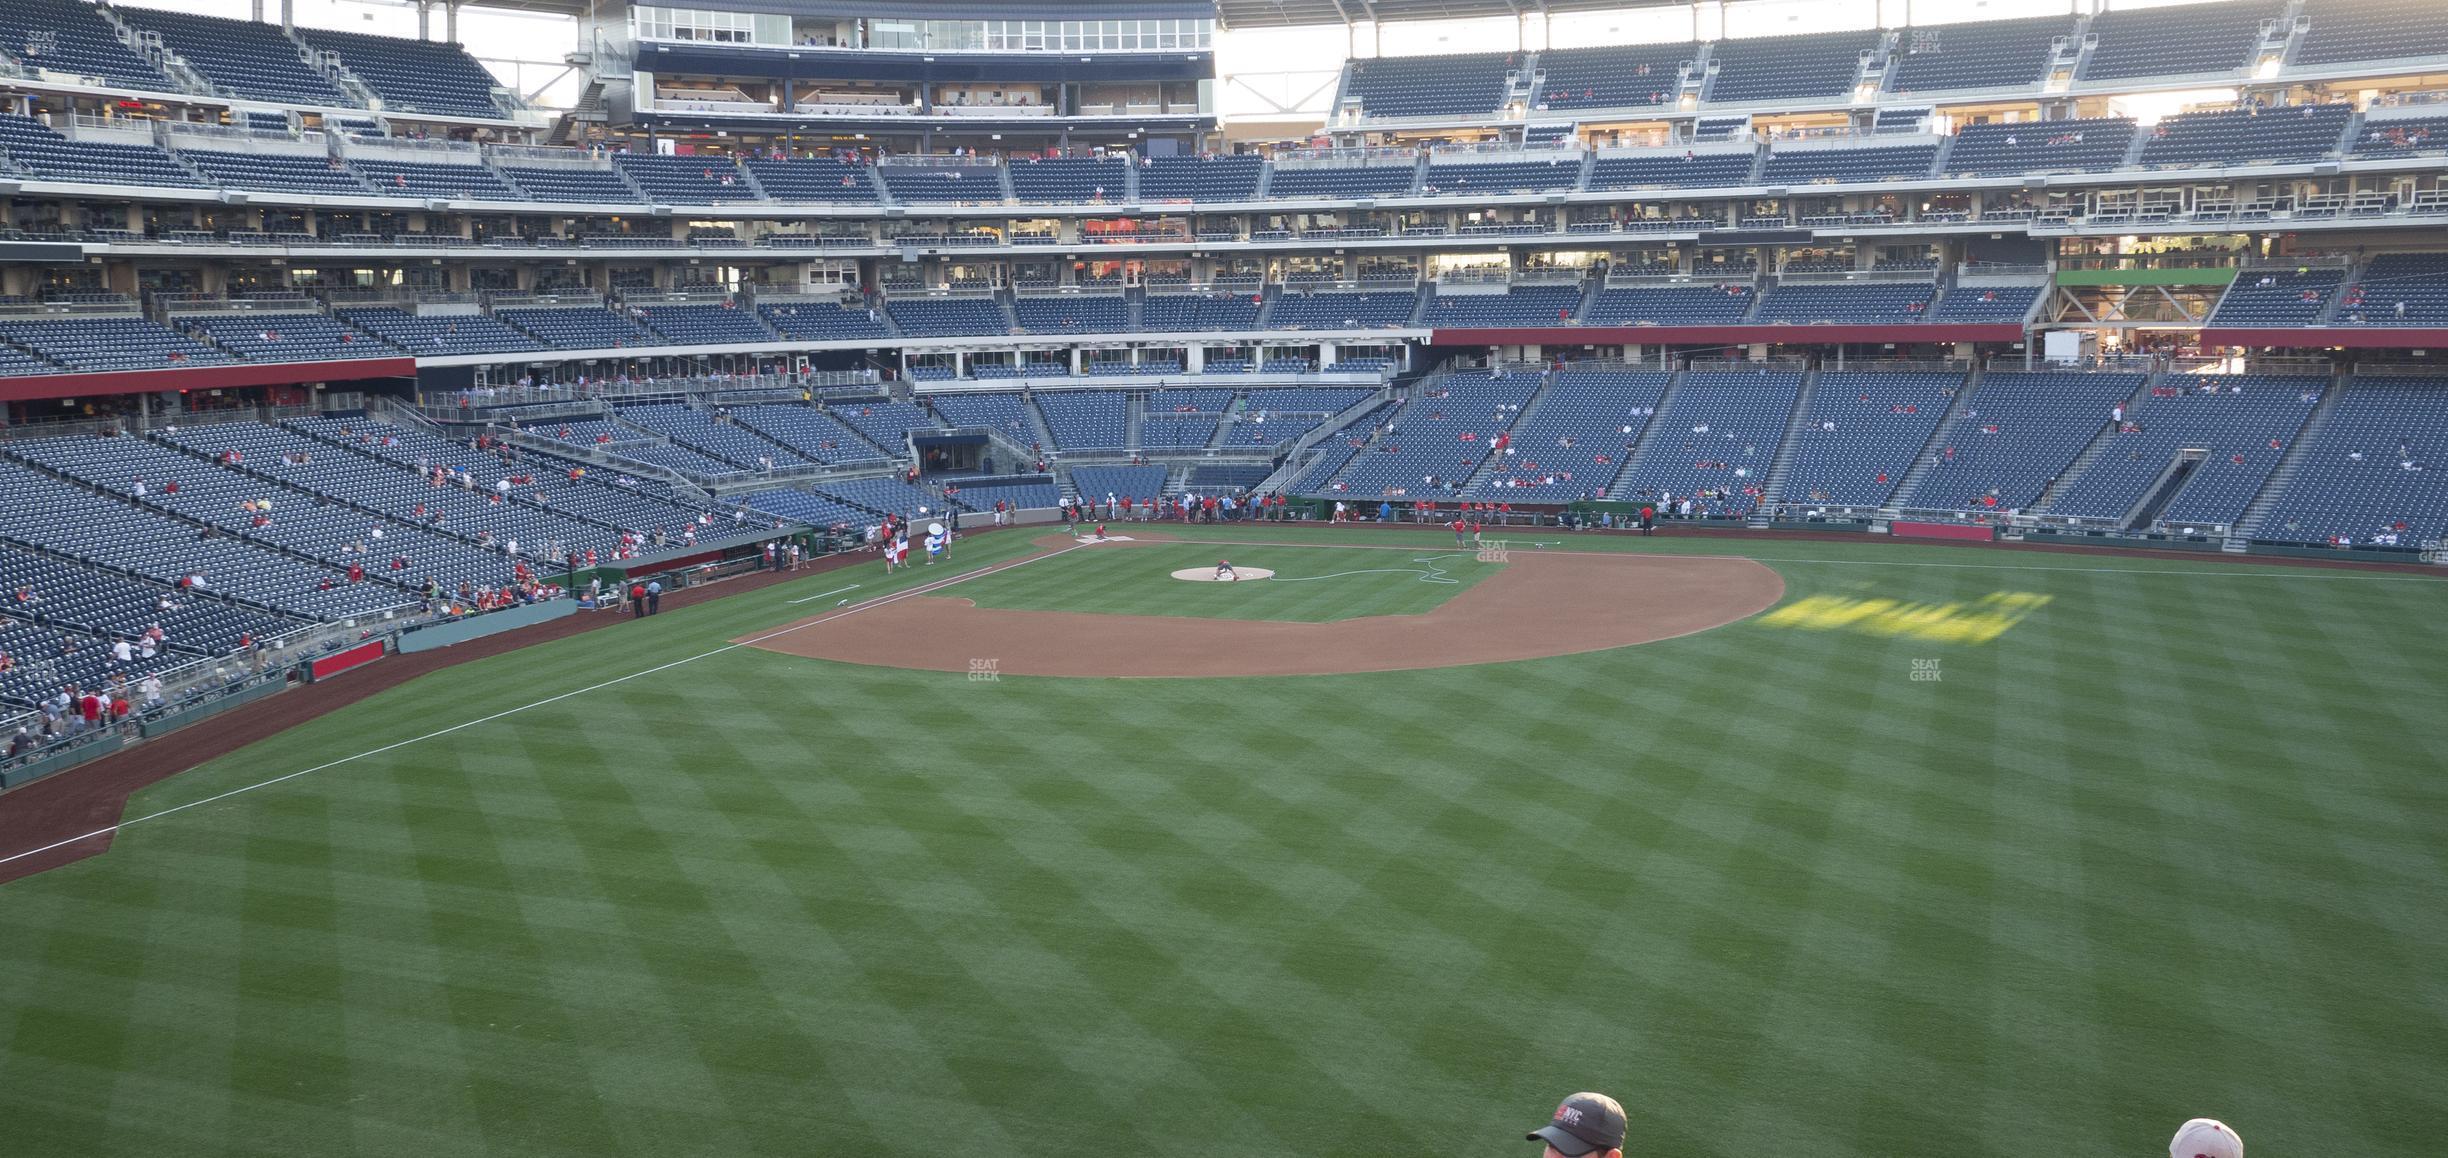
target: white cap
2205 1138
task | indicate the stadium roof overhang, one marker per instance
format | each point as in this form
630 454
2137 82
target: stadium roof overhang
1293 13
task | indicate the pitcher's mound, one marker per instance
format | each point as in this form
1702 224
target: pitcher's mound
1208 574
1091 539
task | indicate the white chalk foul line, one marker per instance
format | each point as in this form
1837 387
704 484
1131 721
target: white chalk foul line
819 621
823 594
1434 573
2238 570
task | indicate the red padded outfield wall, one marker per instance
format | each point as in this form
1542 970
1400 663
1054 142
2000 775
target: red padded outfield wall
340 661
171 379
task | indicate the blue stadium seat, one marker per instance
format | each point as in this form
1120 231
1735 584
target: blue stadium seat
439 334
1575 438
2070 146
2247 136
1815 67
1500 178
2357 30
1686 170
1714 440
240 58
1367 310
1626 76
1861 434
1086 419
1231 177
1067 180
413 76
1342 181
1467 84
288 337
2181 40
72 38
1977 55
816 180
2019 432
686 180
2375 473
33 147
2244 422
821 321
1519 306
110 343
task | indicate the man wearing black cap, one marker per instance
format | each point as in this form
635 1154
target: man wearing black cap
1591 1124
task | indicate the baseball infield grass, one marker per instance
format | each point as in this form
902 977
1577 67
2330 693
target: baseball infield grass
1310 584
2173 843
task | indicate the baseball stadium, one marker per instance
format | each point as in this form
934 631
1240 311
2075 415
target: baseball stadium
1234 578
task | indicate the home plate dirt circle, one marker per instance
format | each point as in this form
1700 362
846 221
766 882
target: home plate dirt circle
1541 603
1208 574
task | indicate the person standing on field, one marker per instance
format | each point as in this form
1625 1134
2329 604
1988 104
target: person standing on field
1586 1124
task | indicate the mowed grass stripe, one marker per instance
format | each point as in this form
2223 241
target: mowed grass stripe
1771 884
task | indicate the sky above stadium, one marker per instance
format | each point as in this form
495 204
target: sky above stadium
1263 67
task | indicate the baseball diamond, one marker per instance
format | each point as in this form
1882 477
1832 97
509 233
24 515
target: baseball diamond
1048 579
671 885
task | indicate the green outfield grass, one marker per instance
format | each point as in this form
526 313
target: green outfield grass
1311 584
2174 844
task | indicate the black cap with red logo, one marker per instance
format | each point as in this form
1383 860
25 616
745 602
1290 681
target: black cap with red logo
1584 1124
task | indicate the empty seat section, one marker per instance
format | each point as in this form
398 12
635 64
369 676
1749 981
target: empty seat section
702 432
1439 439
297 337
1981 54
2070 146
1003 412
2278 297
2374 470
812 179
1378 309
947 317
1468 84
71 37
453 181
821 321
813 509
1093 483
117 343
707 325
686 180
149 544
1816 67
942 184
2181 40
1497 178
2243 424
2400 135
1233 177
1860 435
2352 30
2398 289
578 328
412 75
571 184
1626 76
1715 437
1694 305
276 172
1086 419
810 433
1671 171
1985 304
2247 136
883 422
46 154
1886 163
1342 181
1530 305
1073 313
1069 179
1873 303
437 335
1575 439
2018 432
240 58
1216 311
